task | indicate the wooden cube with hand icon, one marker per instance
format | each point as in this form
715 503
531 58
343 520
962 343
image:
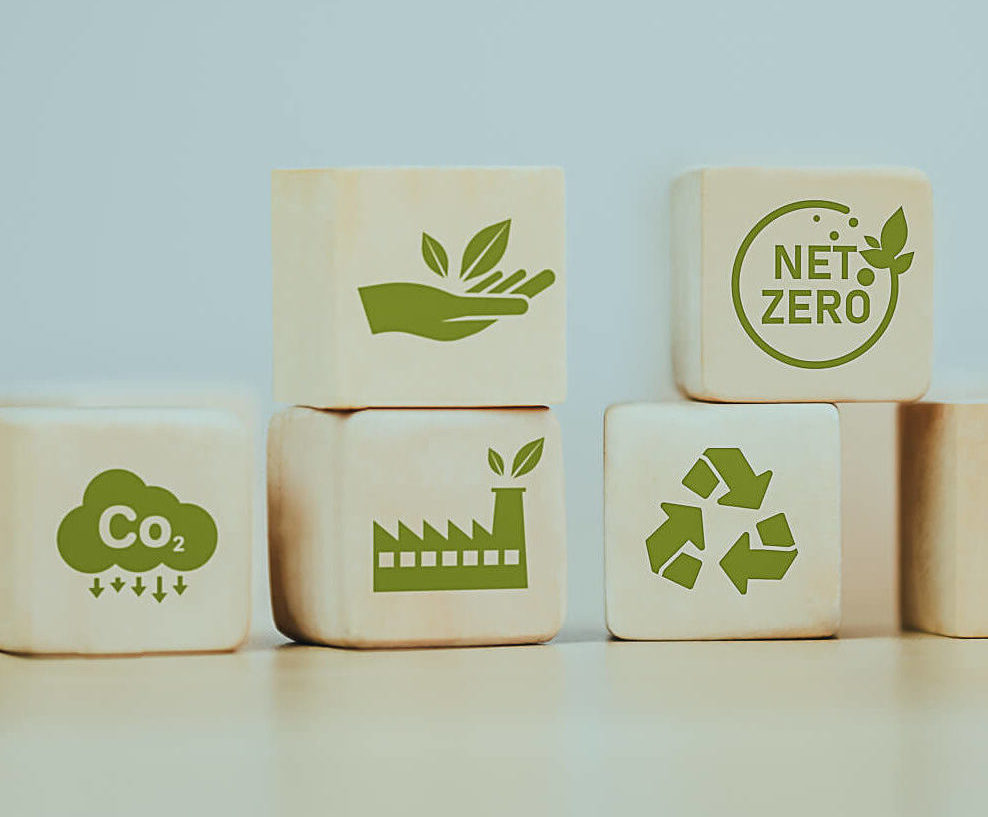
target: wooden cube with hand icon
419 287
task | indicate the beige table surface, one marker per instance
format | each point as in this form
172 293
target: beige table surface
859 725
872 723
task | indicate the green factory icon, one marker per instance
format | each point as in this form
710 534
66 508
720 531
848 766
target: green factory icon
481 560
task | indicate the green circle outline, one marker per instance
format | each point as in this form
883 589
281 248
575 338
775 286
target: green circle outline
764 344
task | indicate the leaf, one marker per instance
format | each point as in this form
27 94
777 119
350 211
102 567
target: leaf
485 250
894 233
528 457
902 263
872 241
495 461
879 259
434 255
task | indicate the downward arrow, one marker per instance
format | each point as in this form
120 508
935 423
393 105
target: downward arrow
180 585
684 523
118 584
160 594
742 563
138 587
746 489
96 589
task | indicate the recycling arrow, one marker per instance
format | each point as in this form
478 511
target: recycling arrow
746 489
683 524
666 546
97 588
742 563
160 594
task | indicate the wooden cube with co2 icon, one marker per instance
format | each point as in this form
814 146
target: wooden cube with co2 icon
802 285
124 530
722 521
416 527
419 287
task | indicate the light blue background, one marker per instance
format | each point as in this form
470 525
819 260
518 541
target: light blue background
136 141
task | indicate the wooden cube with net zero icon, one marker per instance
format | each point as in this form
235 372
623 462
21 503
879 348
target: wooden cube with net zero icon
802 285
406 527
943 524
398 287
125 530
722 521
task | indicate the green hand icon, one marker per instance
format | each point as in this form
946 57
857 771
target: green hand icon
429 312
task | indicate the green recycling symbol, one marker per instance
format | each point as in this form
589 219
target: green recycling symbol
667 545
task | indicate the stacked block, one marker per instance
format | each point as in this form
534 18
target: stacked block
408 504
415 527
943 517
419 287
790 287
124 530
722 521
802 285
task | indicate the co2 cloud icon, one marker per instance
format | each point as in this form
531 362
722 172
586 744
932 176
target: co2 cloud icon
124 522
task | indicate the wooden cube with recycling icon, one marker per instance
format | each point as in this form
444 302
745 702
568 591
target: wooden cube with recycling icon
943 452
802 285
419 287
722 521
125 530
416 527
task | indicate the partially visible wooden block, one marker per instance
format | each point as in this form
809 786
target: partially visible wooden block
124 530
419 287
414 528
802 285
943 449
722 521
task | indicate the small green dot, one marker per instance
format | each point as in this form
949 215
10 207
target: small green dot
834 235
816 218
853 222
866 277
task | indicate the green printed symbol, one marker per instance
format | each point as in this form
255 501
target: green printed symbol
743 563
443 315
684 524
791 296
746 489
481 560
667 545
126 524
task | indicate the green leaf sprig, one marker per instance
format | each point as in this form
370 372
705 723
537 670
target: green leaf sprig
482 253
885 254
435 255
496 461
525 460
485 249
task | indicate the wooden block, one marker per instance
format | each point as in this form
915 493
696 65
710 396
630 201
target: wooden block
412 528
943 525
124 530
802 285
721 521
419 287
